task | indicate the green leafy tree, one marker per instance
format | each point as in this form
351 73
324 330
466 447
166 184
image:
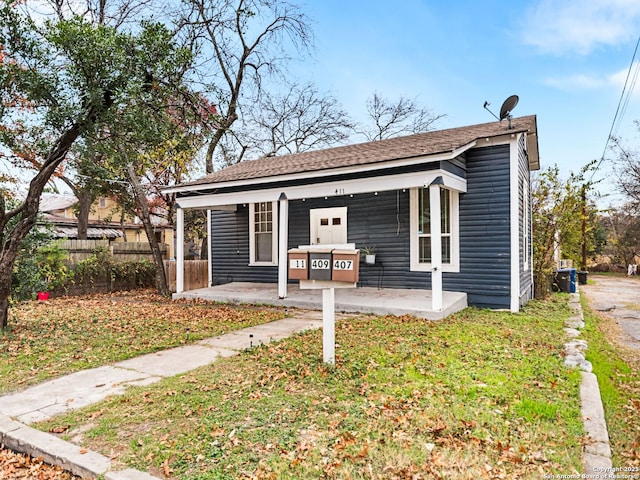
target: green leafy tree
150 144
59 80
564 218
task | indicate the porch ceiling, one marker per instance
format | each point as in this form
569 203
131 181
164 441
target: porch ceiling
387 301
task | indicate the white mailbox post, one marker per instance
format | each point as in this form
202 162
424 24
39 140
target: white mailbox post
327 267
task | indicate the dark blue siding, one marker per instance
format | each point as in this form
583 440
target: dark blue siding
230 249
383 220
485 260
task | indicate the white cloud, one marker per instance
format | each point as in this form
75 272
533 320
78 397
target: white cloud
628 76
613 81
578 81
578 26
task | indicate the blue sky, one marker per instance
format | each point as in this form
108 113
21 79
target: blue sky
566 60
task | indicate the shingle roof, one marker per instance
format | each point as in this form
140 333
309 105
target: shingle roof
52 202
422 144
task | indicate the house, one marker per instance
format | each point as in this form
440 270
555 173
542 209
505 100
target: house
447 210
59 211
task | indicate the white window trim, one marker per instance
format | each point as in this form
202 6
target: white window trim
526 224
416 266
252 236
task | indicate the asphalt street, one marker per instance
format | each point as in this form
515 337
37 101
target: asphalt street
618 298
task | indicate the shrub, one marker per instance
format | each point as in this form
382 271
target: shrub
40 266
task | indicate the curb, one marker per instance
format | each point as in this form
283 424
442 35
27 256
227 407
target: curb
596 456
81 462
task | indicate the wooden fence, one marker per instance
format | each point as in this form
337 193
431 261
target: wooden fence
196 274
121 251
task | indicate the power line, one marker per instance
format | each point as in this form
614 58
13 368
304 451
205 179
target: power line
622 104
629 93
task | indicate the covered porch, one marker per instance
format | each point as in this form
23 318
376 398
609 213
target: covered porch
386 301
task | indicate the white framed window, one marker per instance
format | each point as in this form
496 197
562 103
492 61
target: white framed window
420 229
263 233
526 225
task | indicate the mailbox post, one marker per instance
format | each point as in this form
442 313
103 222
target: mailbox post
319 267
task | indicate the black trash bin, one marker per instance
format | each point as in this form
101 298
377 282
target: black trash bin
563 280
582 278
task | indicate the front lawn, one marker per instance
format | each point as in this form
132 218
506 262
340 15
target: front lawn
482 394
56 337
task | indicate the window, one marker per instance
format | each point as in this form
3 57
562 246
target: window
420 211
263 228
526 225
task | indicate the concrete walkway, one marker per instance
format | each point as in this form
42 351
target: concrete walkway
77 390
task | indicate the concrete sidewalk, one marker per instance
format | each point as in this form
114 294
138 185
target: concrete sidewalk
77 390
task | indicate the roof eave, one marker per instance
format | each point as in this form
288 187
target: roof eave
368 167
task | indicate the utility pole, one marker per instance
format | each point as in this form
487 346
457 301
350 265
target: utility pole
584 228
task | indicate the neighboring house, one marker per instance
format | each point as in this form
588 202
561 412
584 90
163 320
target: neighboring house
389 194
104 221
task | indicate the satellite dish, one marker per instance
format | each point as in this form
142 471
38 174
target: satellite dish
508 105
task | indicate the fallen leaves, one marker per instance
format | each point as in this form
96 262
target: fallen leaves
68 334
15 466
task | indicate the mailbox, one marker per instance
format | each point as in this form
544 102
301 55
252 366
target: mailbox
345 265
320 264
298 264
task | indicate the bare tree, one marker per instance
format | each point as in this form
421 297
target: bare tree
299 120
622 228
114 13
241 42
628 173
393 119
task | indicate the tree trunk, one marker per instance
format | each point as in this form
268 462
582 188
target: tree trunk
204 250
85 200
27 213
141 201
6 271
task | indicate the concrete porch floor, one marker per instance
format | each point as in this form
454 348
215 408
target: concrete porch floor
386 301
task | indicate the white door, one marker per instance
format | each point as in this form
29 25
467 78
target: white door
328 225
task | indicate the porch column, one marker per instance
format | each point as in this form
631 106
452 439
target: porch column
436 245
179 250
209 256
283 235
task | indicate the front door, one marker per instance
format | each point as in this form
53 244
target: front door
328 225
